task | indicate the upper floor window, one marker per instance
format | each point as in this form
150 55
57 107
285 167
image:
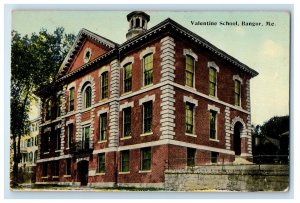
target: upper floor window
59 105
237 93
212 124
57 147
189 118
148 69
87 97
189 70
147 117
104 85
127 122
70 135
71 98
103 126
49 109
212 81
127 77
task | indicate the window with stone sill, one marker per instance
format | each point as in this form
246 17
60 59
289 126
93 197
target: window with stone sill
87 96
70 135
212 81
237 93
127 77
191 152
148 69
71 99
45 169
68 167
127 122
103 127
189 118
101 163
147 117
125 161
104 85
189 70
146 159
55 168
212 125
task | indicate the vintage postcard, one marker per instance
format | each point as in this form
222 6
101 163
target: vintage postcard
150 100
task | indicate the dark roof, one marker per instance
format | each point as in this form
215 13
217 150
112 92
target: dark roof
138 13
189 35
166 26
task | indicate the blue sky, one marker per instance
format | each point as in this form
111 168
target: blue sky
263 48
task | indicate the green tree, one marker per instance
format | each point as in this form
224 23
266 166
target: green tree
35 61
268 142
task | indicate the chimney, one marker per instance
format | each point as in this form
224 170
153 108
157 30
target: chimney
138 21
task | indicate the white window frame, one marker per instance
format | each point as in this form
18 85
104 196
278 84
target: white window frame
217 110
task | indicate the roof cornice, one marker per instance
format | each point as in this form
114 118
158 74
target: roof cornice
170 25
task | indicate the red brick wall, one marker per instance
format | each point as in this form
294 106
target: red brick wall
225 82
96 49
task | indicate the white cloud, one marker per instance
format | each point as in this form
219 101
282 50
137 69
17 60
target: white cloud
271 49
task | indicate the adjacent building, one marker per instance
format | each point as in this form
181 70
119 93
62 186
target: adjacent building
121 114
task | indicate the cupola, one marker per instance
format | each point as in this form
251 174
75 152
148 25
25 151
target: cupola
138 21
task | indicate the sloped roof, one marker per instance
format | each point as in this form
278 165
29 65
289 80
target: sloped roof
166 26
84 33
175 27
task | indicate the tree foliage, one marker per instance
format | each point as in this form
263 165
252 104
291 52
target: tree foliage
268 140
35 61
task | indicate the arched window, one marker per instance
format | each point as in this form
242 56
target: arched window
87 96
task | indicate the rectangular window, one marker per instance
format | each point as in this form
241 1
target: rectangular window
147 117
189 71
104 85
189 118
212 81
45 169
68 167
103 126
85 138
237 93
70 135
55 167
101 163
59 106
58 139
148 69
146 159
214 157
212 124
127 122
49 110
46 141
71 99
125 161
127 77
191 152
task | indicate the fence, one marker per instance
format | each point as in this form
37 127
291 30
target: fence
192 163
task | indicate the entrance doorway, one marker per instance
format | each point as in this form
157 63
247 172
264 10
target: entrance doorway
238 128
83 169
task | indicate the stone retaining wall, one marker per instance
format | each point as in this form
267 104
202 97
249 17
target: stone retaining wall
229 178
